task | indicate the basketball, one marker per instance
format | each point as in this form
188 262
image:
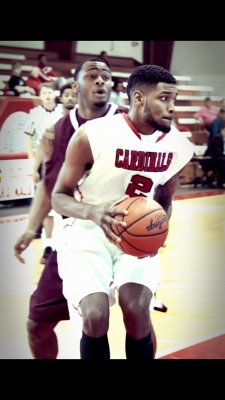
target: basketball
147 226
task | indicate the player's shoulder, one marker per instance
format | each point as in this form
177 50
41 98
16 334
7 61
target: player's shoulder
122 109
175 132
106 120
64 120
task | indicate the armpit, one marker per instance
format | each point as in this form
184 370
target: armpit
47 145
49 132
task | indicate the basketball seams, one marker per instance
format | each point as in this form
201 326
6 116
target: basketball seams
136 241
143 236
123 248
143 216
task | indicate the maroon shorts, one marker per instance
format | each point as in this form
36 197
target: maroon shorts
47 303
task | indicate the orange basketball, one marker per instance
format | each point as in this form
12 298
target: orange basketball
147 226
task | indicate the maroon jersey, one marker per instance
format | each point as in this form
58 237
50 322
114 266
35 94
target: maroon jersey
64 129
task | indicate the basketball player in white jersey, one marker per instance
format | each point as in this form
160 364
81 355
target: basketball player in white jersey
140 153
48 306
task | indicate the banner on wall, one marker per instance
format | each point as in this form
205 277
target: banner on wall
15 168
16 180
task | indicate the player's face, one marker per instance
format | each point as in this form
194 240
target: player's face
68 99
159 108
94 83
47 95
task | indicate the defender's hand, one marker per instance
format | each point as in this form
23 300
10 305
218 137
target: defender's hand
22 243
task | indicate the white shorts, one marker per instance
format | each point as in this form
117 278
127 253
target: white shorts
53 213
89 263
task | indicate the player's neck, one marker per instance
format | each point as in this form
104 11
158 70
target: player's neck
141 127
96 112
65 111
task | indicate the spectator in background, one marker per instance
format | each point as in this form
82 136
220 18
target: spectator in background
208 115
46 73
222 112
117 93
18 84
216 150
104 57
2 85
33 80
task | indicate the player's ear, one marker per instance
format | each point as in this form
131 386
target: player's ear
138 97
74 86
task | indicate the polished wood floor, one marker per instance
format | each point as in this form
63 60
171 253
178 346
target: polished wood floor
192 287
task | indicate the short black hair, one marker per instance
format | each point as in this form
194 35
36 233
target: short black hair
207 99
80 65
64 87
41 55
148 75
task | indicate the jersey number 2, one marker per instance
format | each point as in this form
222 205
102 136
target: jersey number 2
139 183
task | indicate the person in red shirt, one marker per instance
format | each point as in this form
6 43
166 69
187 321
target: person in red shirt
46 73
208 115
33 81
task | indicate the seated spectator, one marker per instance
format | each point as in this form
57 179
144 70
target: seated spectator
222 112
18 84
117 93
216 150
2 85
33 80
46 73
208 115
104 57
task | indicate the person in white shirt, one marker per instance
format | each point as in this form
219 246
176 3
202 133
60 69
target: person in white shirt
117 94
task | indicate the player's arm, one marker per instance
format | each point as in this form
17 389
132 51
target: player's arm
198 117
37 163
47 141
78 157
164 193
40 208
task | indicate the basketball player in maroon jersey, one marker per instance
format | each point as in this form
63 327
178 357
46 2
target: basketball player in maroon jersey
113 149
48 305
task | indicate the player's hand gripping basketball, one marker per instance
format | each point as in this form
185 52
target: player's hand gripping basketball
104 216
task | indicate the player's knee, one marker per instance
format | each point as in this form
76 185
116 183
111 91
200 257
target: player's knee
38 331
136 316
135 305
96 321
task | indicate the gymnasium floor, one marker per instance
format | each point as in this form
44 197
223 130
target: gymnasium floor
192 285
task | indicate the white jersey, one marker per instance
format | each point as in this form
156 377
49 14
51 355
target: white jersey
126 162
38 119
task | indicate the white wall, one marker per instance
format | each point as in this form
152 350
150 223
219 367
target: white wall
39 45
120 48
203 61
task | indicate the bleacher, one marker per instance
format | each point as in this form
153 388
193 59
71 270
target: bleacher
189 100
120 66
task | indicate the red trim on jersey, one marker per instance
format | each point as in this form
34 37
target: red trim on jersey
70 224
131 126
81 196
77 310
135 130
161 137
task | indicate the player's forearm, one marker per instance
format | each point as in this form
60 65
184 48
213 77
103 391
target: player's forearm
67 205
164 193
38 158
166 203
40 208
30 148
